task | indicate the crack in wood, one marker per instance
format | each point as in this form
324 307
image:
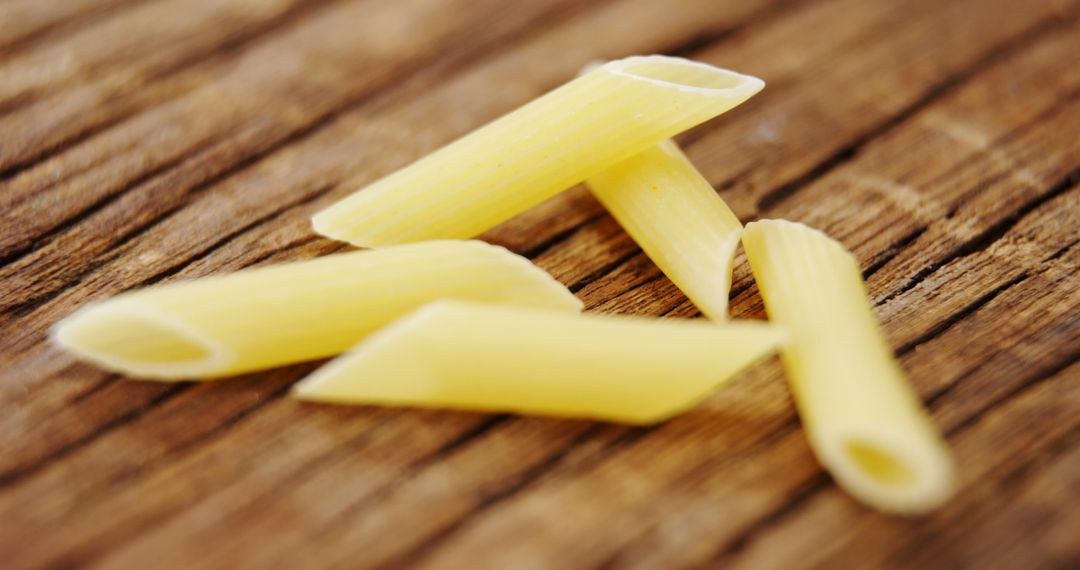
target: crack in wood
766 441
1060 252
946 324
36 242
602 271
28 39
218 52
988 236
104 383
20 473
982 150
799 497
321 461
936 92
550 243
932 401
660 275
463 439
213 55
892 250
711 38
1012 479
34 303
228 238
417 466
1039 377
431 542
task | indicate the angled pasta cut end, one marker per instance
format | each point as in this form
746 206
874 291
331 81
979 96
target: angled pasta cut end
677 218
475 356
127 336
864 422
603 116
271 316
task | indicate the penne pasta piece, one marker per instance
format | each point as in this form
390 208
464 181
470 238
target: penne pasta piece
677 218
477 356
864 422
606 115
266 317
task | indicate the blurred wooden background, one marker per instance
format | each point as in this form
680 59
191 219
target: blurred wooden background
143 141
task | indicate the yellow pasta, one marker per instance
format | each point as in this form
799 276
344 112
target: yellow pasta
864 422
265 317
477 356
677 218
531 154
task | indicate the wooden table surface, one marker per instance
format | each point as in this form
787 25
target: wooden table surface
145 141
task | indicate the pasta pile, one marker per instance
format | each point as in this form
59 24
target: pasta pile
425 319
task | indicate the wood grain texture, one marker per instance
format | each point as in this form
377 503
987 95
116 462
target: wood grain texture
144 141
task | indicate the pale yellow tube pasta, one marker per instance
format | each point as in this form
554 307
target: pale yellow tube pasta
606 115
265 317
677 218
476 356
864 422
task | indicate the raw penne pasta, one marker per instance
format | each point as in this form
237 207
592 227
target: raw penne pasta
677 218
606 115
477 356
265 317
864 422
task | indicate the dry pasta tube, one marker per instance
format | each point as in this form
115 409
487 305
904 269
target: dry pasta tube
865 423
677 218
265 317
475 356
606 115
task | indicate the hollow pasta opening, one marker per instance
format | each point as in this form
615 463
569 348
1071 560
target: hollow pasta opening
879 464
686 75
140 341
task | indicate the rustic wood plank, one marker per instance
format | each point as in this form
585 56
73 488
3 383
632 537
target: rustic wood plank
55 121
141 40
952 174
1034 494
520 450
